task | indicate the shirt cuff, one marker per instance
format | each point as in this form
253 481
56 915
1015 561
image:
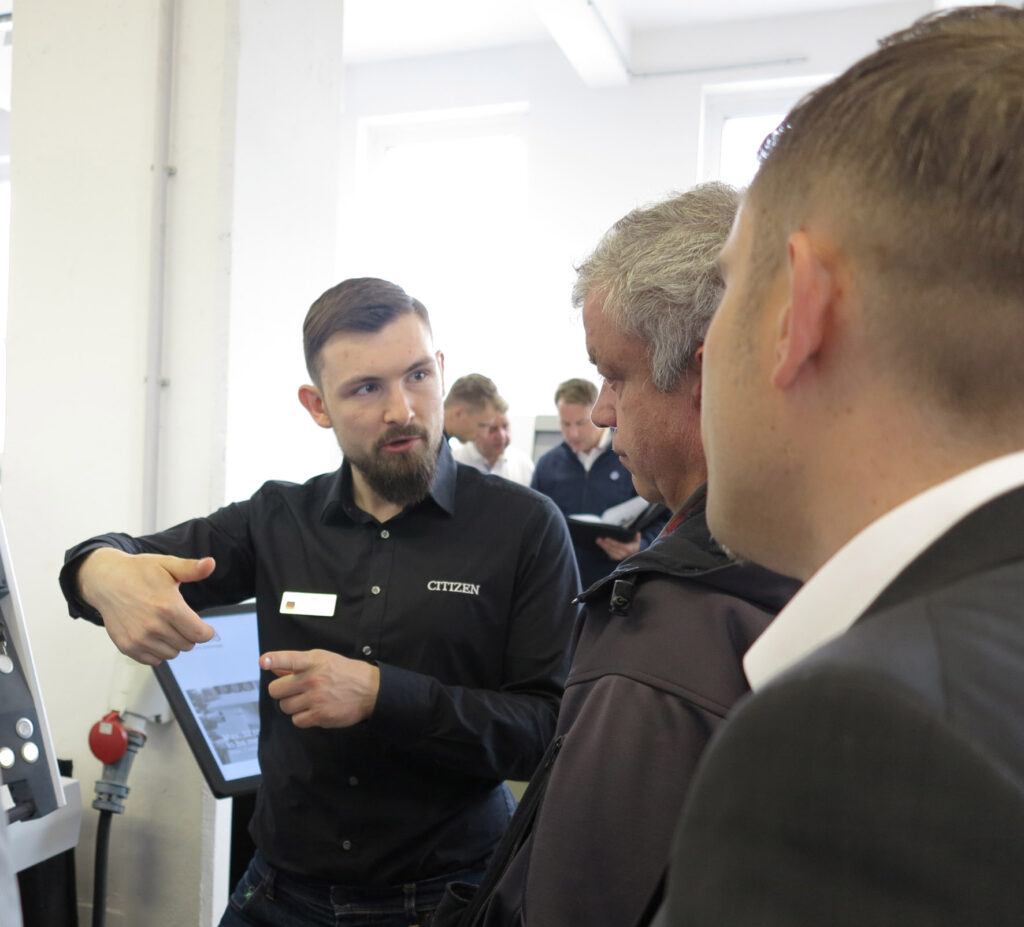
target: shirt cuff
403 708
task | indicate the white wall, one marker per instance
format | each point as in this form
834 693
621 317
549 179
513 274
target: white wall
593 155
250 244
88 258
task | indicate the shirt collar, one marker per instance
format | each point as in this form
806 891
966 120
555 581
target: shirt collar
838 594
587 458
442 490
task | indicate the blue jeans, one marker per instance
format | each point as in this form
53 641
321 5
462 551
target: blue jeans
266 897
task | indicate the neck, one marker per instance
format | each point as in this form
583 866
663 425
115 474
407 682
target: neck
852 484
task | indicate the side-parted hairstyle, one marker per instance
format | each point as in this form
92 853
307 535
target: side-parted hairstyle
914 160
656 272
474 390
576 392
361 304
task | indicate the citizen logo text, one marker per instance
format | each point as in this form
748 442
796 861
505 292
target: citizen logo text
442 585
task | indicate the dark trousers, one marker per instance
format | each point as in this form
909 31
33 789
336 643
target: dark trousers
266 897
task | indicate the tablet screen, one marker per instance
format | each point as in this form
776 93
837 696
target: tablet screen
214 690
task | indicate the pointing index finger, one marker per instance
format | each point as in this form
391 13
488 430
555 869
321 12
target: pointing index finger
283 662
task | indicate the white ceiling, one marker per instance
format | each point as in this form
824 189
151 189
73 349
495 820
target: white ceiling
383 29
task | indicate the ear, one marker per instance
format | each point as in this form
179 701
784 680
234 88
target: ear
439 356
805 316
697 387
310 397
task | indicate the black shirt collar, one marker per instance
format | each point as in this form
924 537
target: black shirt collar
340 502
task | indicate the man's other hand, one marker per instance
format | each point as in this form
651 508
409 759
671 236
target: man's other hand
619 550
322 689
138 597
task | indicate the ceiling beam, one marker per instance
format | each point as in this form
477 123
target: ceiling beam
592 35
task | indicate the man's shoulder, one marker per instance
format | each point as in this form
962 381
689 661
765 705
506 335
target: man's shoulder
557 456
319 486
472 487
931 633
707 672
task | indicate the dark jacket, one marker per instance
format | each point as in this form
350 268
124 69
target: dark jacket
561 477
656 668
898 800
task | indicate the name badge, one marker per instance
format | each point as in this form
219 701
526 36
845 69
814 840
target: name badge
316 604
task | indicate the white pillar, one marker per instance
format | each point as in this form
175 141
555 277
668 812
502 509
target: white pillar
90 259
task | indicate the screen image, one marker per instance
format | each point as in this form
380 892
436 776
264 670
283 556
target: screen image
214 690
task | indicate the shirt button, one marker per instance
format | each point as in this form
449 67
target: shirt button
353 780
367 650
385 534
375 590
346 844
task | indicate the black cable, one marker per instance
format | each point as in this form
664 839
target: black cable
99 879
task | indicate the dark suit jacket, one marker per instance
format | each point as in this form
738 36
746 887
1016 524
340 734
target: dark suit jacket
881 780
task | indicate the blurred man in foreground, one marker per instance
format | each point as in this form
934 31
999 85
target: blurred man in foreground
864 402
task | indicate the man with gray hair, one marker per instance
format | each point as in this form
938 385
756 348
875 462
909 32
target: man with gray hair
864 389
657 659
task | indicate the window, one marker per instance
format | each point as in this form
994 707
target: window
736 118
443 211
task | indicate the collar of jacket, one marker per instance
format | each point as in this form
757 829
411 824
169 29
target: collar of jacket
689 552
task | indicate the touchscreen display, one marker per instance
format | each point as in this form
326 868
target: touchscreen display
214 690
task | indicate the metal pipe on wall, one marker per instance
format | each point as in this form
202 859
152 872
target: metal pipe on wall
163 171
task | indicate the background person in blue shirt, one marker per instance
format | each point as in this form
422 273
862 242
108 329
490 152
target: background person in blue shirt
583 476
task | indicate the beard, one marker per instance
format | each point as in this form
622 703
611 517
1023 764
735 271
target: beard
404 478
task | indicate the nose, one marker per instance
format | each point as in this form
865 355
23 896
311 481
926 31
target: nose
603 413
399 409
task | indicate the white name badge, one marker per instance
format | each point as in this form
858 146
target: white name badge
317 604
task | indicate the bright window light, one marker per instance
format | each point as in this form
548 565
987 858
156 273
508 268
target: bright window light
741 139
444 214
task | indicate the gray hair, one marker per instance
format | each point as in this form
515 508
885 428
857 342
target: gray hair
656 271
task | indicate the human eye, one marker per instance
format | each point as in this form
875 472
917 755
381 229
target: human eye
365 389
613 382
421 375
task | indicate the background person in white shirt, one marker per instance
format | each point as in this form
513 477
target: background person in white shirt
863 415
490 449
469 407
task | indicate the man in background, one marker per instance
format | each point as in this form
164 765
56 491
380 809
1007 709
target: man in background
491 449
863 424
469 407
583 475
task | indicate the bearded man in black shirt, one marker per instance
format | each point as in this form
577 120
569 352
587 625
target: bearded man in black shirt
413 614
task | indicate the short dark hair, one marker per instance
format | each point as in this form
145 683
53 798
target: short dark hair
473 390
361 304
576 391
914 157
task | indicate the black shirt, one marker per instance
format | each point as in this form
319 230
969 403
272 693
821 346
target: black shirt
462 600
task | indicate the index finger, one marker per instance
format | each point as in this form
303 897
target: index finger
282 662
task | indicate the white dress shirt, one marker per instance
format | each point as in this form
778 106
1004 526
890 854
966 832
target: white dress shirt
587 458
839 593
513 464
